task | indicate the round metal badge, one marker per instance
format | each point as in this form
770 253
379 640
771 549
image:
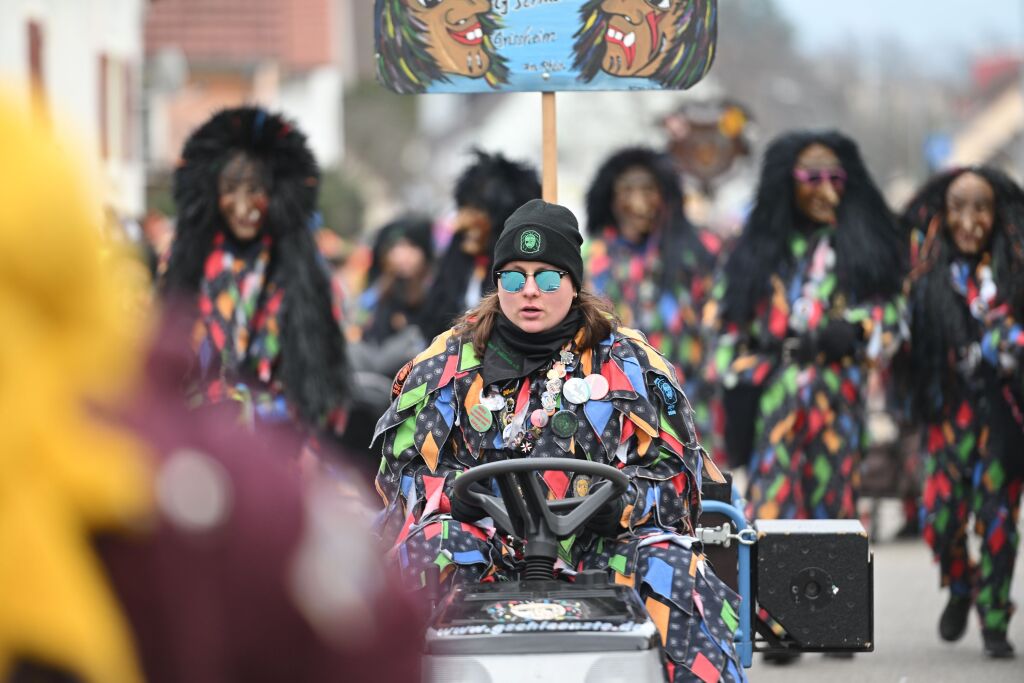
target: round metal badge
564 423
539 418
576 391
598 386
480 418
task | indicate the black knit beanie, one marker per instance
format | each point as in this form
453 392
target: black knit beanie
540 231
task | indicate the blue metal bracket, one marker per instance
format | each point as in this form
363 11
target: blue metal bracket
744 635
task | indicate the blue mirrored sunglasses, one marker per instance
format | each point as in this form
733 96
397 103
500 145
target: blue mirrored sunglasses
547 280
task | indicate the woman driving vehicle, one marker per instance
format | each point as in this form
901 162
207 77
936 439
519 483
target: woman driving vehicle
541 368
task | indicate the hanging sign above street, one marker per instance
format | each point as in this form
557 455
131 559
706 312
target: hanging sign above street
473 46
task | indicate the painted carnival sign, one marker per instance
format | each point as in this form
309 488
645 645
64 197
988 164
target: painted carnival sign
466 46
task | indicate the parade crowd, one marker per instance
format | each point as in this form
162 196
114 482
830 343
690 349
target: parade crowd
509 328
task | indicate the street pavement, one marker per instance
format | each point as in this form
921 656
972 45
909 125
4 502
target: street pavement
907 644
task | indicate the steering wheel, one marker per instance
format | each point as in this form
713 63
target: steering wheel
524 510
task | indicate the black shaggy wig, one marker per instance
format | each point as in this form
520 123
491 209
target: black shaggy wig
312 363
496 186
676 237
870 250
941 321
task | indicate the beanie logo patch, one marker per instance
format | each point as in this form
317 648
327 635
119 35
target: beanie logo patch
530 242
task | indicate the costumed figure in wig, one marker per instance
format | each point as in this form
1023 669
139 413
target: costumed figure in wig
486 194
967 359
810 299
139 540
267 331
652 263
542 369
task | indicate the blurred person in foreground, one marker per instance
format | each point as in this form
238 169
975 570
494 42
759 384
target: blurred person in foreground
967 362
140 541
652 263
541 368
810 299
244 255
486 194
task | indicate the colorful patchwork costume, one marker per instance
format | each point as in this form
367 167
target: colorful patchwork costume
659 285
444 420
968 356
785 291
807 439
267 331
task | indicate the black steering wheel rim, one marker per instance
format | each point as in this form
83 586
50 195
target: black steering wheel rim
532 511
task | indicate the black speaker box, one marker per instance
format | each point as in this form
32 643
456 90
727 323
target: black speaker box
814 577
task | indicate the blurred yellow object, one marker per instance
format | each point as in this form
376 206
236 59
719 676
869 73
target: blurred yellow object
64 340
731 122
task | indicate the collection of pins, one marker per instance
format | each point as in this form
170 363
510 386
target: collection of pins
564 423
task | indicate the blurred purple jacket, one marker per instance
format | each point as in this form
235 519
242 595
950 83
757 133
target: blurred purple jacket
243 579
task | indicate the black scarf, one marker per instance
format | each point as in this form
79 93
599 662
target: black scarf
512 353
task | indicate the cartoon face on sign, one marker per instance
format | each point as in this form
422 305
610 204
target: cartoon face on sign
474 46
420 41
668 41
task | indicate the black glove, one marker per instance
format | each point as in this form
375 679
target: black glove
465 511
605 521
840 339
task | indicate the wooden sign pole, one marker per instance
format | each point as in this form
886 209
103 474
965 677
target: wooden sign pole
549 144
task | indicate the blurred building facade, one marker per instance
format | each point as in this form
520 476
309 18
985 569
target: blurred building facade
205 55
83 60
992 131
